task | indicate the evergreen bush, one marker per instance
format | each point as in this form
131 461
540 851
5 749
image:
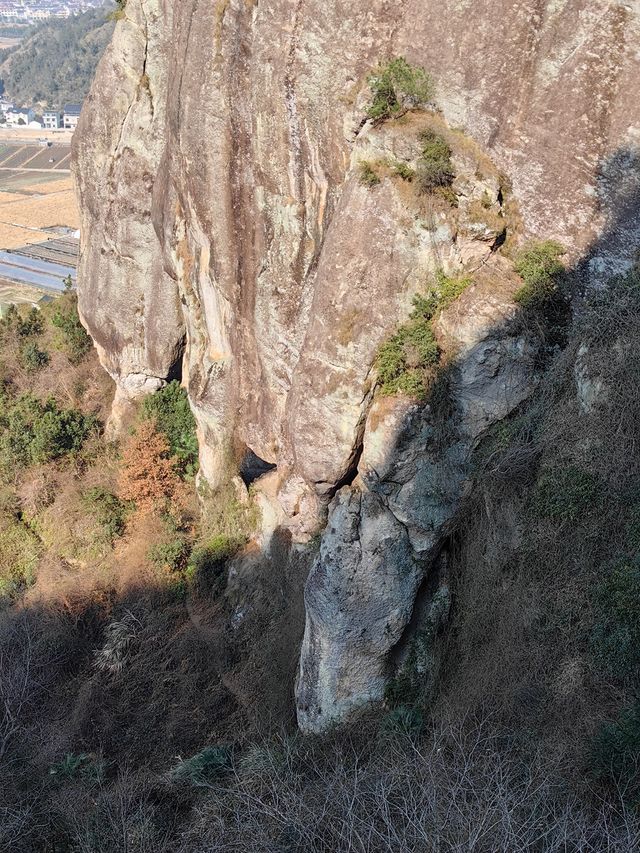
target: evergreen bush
169 408
32 358
565 494
435 169
109 511
397 87
615 638
205 767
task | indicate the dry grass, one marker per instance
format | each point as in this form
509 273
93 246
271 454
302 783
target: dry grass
524 571
63 184
16 135
463 787
9 197
18 294
54 208
15 236
38 204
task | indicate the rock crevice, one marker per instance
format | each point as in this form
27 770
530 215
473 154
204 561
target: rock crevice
225 229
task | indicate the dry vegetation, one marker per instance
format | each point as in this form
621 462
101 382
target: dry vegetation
148 653
551 532
133 645
146 692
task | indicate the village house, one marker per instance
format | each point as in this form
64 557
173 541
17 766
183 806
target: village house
52 119
19 116
71 116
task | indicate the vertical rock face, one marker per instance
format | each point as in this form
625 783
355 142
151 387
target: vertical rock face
128 300
384 533
226 235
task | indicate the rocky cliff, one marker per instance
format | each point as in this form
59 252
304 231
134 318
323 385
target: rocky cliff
228 237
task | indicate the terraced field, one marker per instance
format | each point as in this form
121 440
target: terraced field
35 156
38 220
36 194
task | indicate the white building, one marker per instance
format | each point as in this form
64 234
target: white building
71 116
52 119
19 116
37 14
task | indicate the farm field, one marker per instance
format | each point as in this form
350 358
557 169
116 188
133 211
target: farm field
38 220
36 195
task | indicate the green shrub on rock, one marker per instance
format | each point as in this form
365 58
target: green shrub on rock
397 87
403 359
403 362
403 170
206 568
435 169
540 268
169 407
368 176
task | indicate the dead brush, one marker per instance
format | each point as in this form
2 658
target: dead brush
464 785
120 636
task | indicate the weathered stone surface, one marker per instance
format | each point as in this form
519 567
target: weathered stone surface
126 298
225 232
215 168
358 599
385 532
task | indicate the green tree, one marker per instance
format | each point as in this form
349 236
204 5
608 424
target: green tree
73 339
33 432
33 324
397 87
32 357
169 408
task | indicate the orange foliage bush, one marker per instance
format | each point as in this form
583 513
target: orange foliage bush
148 476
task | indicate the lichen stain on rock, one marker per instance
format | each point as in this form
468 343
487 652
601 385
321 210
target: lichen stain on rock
222 198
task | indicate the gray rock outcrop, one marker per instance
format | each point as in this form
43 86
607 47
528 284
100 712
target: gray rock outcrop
226 237
384 532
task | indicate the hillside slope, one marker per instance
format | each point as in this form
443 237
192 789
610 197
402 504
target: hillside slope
352 563
56 63
231 235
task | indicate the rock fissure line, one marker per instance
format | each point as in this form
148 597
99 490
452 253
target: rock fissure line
233 212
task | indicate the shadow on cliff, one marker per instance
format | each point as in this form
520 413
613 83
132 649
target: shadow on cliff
196 670
618 203
553 327
135 675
